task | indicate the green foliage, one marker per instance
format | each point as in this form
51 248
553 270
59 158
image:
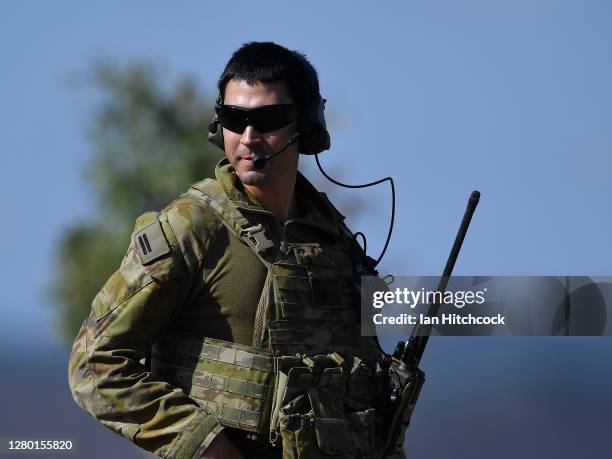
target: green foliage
148 145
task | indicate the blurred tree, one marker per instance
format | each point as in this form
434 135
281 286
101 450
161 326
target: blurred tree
148 144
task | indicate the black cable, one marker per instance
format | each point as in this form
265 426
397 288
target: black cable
365 185
365 241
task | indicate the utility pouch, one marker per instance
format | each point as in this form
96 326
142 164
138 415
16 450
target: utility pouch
313 415
283 391
309 433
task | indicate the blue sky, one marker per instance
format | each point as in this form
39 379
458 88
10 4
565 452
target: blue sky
511 97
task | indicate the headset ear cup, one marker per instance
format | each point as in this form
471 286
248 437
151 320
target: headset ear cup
314 136
215 133
313 140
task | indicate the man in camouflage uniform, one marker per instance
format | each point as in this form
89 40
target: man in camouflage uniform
231 327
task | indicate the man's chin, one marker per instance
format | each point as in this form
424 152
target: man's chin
253 178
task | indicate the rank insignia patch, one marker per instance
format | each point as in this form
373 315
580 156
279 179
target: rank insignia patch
151 243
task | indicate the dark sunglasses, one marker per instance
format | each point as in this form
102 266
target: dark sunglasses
266 118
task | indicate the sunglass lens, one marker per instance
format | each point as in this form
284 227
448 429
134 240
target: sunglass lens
271 117
233 118
264 119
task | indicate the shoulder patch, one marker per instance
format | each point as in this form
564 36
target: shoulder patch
151 242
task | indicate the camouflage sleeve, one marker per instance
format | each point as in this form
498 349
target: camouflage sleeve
107 372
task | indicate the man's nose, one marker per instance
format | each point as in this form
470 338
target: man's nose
250 136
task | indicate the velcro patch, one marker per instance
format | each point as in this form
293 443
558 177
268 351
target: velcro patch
151 242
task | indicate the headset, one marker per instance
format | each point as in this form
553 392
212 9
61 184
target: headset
313 138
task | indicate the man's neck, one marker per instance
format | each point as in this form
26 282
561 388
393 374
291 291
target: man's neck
275 197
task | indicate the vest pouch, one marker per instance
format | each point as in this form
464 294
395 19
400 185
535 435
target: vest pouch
315 418
307 437
362 425
296 426
364 389
365 384
290 381
334 437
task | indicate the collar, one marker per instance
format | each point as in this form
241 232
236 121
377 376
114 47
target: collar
313 207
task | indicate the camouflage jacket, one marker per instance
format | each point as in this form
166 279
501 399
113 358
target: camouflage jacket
192 276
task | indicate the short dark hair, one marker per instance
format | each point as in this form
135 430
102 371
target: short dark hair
269 63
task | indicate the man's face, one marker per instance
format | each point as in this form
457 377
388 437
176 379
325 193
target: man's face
241 148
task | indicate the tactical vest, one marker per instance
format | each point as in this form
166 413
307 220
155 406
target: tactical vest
309 376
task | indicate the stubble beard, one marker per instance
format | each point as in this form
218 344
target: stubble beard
253 177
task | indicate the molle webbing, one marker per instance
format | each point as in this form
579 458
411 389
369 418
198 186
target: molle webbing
218 350
228 380
233 417
315 308
207 380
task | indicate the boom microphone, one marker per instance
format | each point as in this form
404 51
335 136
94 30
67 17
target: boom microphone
260 161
